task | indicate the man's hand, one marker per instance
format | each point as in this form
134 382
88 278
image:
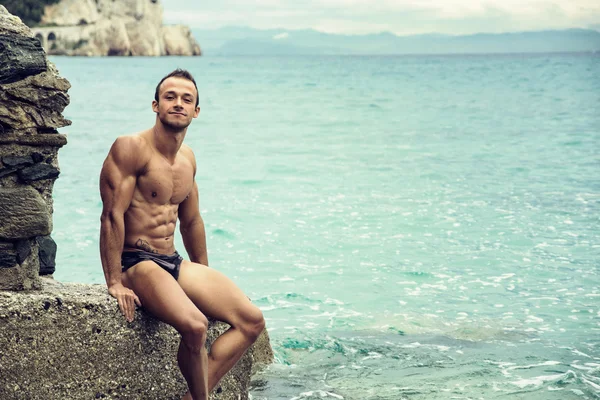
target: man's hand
127 300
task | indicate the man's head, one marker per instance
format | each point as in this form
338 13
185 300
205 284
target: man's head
176 100
178 73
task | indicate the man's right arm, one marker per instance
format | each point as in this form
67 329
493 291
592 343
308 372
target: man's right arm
117 184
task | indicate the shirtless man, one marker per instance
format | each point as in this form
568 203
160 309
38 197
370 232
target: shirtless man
146 183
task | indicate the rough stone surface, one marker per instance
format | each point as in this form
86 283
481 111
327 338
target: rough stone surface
37 172
8 255
47 254
179 41
35 140
22 276
108 27
17 161
23 248
11 24
23 213
32 99
69 341
20 57
7 171
71 12
145 39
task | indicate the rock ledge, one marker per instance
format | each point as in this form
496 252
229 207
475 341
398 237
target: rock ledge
69 341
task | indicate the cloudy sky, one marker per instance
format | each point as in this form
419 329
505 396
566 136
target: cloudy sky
398 16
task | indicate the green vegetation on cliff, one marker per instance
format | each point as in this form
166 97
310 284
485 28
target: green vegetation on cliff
30 11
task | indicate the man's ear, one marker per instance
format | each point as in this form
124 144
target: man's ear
196 112
155 106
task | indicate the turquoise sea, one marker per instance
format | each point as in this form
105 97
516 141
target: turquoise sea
413 227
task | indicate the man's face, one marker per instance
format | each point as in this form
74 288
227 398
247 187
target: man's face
176 104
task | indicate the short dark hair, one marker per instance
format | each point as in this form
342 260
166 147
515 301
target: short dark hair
178 73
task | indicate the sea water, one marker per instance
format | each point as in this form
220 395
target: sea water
412 227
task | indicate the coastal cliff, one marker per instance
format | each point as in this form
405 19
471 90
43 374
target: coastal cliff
112 28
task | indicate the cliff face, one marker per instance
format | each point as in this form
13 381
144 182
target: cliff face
109 27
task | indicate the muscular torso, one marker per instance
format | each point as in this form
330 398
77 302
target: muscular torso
160 188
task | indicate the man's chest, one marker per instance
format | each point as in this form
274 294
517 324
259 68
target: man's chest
162 183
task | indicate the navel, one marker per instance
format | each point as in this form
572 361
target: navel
154 194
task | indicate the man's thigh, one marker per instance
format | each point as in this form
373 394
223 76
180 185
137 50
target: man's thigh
160 294
215 294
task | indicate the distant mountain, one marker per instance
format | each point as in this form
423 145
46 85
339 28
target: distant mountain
248 41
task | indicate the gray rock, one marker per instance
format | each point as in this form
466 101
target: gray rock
23 248
8 255
179 41
20 115
38 172
23 213
69 341
35 102
8 259
10 24
32 98
58 140
22 276
20 57
17 161
47 255
7 171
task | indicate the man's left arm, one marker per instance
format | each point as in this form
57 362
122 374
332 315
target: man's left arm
192 228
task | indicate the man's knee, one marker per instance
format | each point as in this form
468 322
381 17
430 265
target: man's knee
193 332
254 323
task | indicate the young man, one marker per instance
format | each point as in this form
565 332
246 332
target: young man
146 183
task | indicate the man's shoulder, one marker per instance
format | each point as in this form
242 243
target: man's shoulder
187 152
130 149
134 142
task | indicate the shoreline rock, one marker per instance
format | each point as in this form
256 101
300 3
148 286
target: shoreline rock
112 28
32 99
69 341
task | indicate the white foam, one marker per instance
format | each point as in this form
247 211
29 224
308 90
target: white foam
533 318
537 381
544 364
592 384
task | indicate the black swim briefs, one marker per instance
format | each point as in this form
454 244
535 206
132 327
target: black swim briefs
170 263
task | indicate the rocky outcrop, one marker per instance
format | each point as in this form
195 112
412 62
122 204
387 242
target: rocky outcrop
109 27
179 41
32 98
69 341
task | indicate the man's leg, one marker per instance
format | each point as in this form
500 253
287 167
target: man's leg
160 294
218 297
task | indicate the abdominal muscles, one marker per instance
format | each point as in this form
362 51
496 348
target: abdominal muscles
151 227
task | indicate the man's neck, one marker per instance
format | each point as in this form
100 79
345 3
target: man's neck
168 142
